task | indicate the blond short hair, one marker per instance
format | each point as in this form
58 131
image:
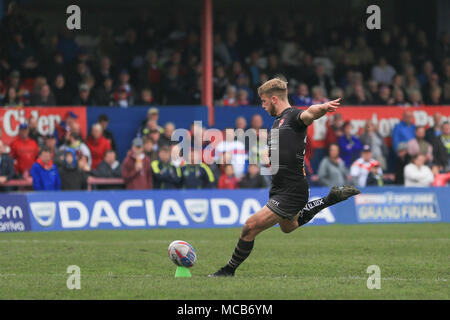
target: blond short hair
272 87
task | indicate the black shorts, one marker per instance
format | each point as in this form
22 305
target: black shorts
287 202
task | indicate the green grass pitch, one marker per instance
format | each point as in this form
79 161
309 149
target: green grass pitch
317 262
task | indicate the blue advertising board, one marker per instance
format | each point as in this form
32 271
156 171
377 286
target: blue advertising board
14 213
128 120
125 122
225 117
53 211
148 209
392 206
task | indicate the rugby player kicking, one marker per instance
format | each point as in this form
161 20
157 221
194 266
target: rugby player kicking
288 196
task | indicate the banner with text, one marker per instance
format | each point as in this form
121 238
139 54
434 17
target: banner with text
384 119
47 119
149 209
14 213
52 211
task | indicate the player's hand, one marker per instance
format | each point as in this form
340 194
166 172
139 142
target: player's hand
332 106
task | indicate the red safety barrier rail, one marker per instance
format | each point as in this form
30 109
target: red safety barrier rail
27 184
22 184
103 181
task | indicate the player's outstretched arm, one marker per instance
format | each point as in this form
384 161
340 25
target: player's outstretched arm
319 110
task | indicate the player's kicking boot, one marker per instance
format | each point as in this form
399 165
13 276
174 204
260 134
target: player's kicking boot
241 252
223 272
336 195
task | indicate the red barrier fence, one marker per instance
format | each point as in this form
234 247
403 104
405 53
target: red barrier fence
92 181
27 184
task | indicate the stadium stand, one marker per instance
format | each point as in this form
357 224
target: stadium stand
397 67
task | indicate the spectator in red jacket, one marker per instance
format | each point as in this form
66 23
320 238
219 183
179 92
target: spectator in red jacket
70 119
228 180
242 99
229 99
98 145
136 168
335 129
24 151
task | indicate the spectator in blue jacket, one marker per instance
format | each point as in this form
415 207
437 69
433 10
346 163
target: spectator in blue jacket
404 131
44 173
350 146
301 96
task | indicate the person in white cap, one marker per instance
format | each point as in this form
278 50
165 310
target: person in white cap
360 169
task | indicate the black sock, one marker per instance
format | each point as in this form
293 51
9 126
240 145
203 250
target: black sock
241 252
311 209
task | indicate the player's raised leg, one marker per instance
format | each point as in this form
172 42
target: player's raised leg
336 195
260 221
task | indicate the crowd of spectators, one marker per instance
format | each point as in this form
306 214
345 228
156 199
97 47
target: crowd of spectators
148 63
64 160
419 155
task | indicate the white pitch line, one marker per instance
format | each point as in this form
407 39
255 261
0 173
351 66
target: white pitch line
114 275
162 241
168 241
